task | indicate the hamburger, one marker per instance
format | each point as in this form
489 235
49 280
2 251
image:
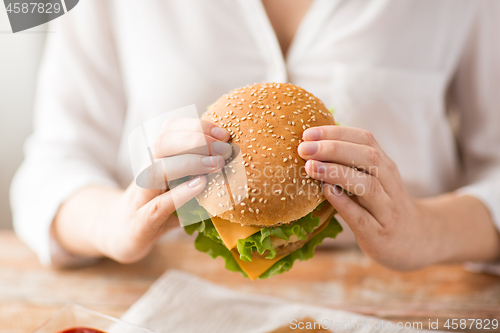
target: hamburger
265 211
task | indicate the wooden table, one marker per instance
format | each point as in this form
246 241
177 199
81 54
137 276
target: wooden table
338 278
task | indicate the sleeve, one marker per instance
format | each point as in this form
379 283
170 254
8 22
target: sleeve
477 90
78 119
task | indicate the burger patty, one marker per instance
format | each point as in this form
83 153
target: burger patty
283 246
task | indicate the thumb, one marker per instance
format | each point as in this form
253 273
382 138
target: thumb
348 208
157 211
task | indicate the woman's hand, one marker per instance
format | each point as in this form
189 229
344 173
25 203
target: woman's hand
384 218
391 227
124 225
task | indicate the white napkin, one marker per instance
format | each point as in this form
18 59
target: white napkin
180 302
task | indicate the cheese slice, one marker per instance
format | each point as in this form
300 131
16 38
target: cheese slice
230 232
259 266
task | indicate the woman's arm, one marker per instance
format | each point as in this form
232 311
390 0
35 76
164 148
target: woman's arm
75 224
462 228
78 121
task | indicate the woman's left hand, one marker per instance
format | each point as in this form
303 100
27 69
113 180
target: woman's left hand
382 215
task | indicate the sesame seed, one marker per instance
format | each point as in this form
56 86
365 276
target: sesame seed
283 198
242 211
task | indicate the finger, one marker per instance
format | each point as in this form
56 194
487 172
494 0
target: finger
157 211
370 193
176 167
359 220
341 133
188 142
195 125
362 157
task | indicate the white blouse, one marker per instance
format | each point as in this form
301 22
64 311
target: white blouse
395 68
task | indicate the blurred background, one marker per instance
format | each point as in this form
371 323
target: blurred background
19 58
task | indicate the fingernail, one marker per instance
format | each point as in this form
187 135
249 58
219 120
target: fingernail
309 148
210 161
195 182
312 134
221 148
219 133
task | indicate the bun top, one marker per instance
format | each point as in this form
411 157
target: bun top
264 183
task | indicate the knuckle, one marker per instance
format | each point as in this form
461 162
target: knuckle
332 147
362 220
374 156
157 146
375 187
369 138
165 127
175 195
197 140
154 208
392 166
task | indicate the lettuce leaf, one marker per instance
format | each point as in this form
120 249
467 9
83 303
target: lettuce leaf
205 228
216 249
261 241
191 213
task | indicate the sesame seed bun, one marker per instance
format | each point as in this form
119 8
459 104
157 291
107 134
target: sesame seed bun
264 182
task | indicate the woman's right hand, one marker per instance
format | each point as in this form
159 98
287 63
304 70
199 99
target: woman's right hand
127 223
